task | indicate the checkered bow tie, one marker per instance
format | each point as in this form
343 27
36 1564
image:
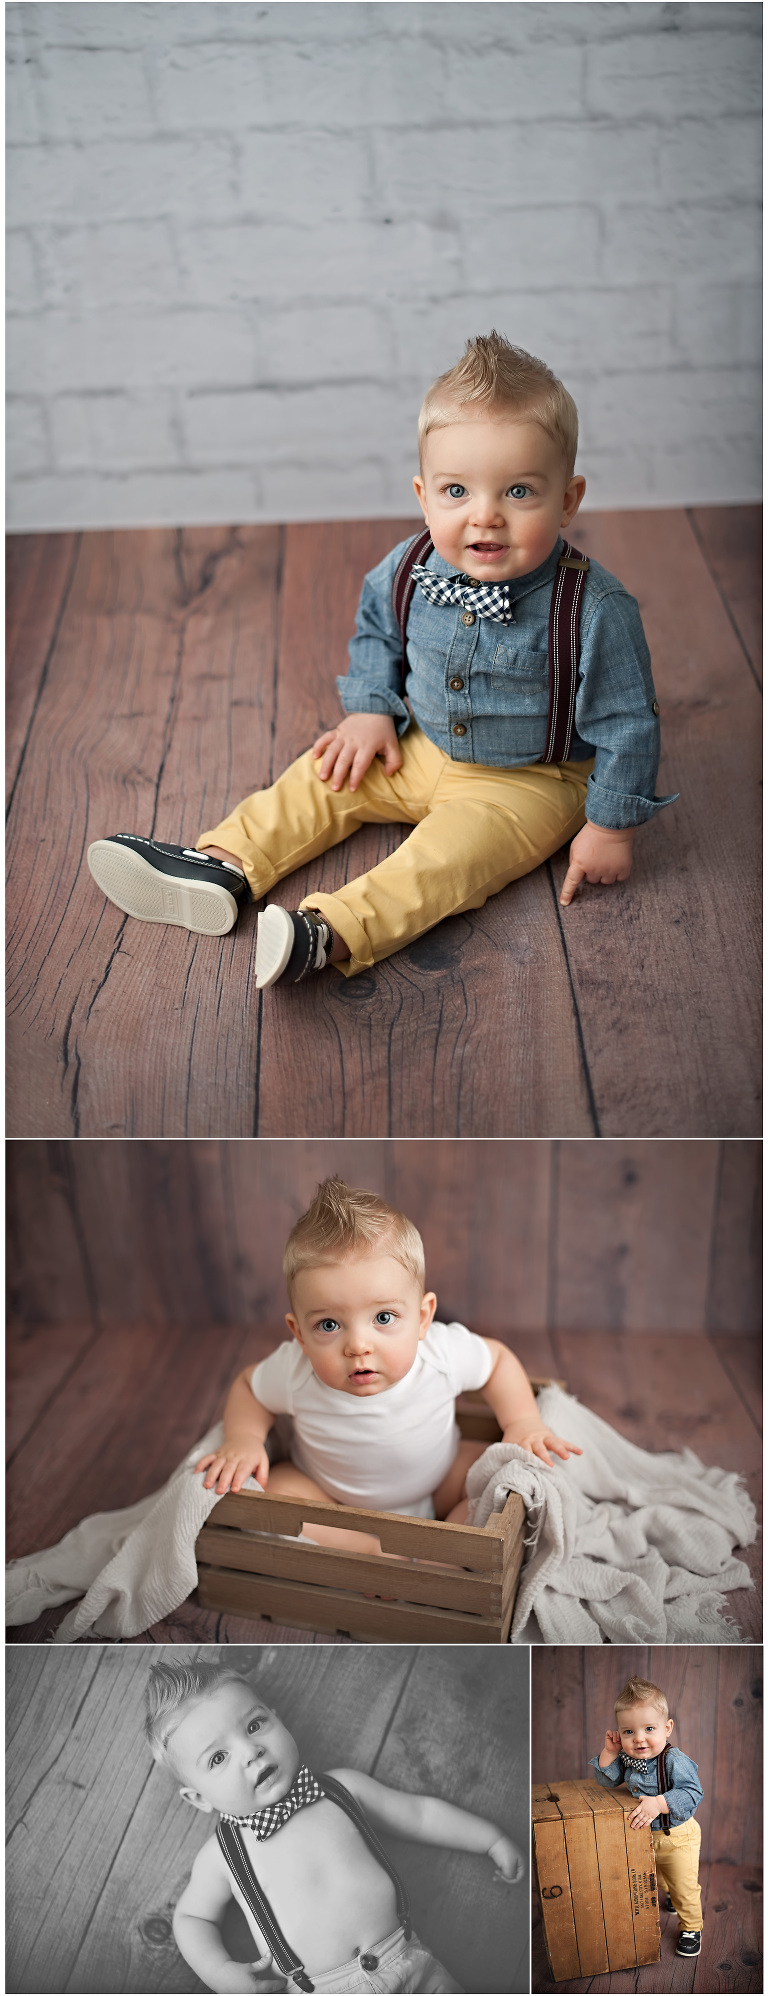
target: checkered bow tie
305 1790
630 1761
488 599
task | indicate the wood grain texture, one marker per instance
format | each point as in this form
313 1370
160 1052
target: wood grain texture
89 1805
715 1698
621 1236
659 954
731 540
731 1958
157 676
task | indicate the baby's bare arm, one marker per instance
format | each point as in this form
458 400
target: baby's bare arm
508 1392
429 1820
196 1923
242 1452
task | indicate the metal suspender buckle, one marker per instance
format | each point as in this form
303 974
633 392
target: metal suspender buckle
570 561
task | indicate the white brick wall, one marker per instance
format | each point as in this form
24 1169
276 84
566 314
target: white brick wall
244 238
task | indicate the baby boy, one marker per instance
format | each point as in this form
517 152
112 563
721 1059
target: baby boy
667 1785
499 694
298 1852
369 1378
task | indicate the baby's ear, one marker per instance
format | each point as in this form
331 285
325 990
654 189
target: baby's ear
670 1726
197 1801
294 1329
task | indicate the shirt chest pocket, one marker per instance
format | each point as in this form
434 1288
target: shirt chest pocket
521 663
528 660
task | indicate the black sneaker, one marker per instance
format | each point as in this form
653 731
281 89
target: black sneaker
289 946
668 1905
159 883
689 1943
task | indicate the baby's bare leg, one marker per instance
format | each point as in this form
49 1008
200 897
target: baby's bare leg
285 1480
450 1499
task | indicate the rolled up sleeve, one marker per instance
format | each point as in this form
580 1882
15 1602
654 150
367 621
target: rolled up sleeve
612 1776
617 712
373 684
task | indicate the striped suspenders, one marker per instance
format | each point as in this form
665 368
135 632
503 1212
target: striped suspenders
233 1845
564 637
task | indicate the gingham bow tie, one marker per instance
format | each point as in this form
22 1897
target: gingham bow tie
487 599
630 1761
305 1790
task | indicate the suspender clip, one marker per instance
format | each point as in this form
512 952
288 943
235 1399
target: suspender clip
569 561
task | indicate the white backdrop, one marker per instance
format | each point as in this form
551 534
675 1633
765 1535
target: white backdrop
244 238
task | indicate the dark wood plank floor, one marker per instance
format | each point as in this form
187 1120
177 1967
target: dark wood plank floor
100 1848
99 1418
731 1956
155 677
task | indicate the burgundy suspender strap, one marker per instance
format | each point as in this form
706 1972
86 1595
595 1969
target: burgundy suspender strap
564 652
664 1783
403 585
233 1845
564 635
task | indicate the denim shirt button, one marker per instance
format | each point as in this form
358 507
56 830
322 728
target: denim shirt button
654 707
456 685
369 1961
458 728
468 617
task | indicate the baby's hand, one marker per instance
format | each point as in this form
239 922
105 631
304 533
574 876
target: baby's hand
508 1860
350 748
229 1465
612 1743
244 1978
600 856
647 1808
539 1439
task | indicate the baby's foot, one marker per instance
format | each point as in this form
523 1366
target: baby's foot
289 946
160 883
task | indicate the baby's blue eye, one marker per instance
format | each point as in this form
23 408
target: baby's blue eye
385 1316
456 491
328 1324
518 491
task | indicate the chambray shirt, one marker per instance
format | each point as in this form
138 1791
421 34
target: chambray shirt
683 1797
503 700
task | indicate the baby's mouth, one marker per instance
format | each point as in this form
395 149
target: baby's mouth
267 1774
487 547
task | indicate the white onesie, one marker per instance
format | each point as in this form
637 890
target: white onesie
388 1452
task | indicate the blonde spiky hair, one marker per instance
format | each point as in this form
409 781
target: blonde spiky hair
637 1691
343 1220
494 374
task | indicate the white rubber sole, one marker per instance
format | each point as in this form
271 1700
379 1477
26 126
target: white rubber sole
274 942
141 891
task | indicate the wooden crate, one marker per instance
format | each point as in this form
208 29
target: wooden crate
596 1878
459 1585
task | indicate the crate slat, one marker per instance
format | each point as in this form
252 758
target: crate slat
414 1538
609 1879
331 1608
278 1559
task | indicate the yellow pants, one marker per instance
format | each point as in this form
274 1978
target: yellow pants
677 1870
475 830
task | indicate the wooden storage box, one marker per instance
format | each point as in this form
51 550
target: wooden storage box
596 1880
458 1587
